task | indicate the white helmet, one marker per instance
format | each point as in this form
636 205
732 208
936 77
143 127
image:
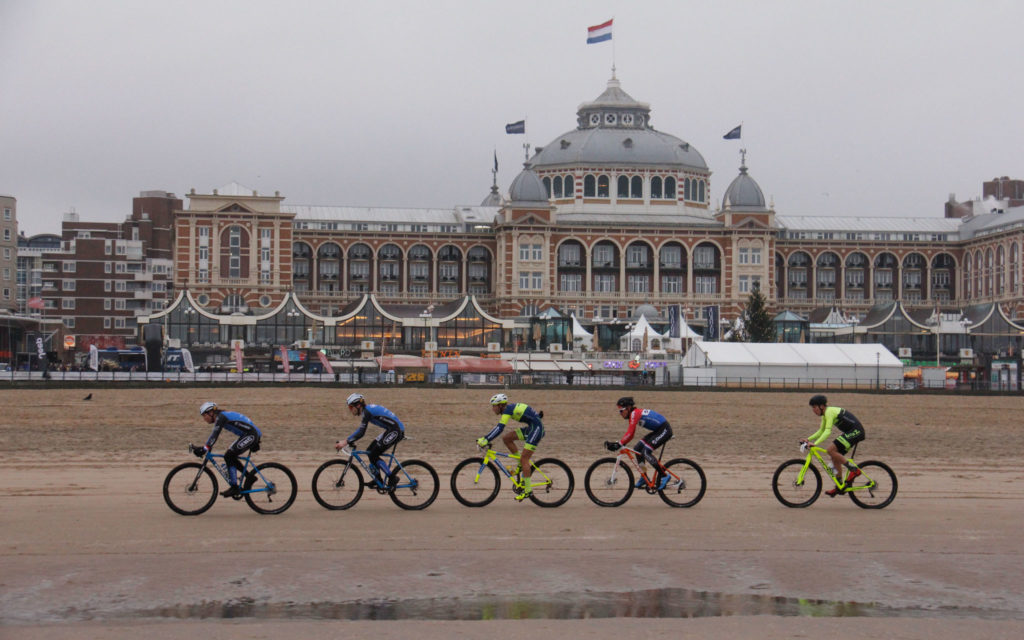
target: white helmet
354 398
499 398
206 407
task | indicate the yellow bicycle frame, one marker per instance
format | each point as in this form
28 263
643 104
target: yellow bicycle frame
817 453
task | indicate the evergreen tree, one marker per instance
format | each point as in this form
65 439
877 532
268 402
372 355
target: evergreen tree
757 323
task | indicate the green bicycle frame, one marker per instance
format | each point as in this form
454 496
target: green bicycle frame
817 452
492 456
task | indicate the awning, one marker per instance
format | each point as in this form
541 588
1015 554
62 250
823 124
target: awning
536 366
464 364
572 365
353 364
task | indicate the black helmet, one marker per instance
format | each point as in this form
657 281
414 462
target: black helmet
818 401
625 401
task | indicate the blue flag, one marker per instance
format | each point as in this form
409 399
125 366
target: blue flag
516 127
734 134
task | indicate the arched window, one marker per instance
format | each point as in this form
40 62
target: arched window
670 187
570 187
557 186
686 189
622 190
589 186
655 188
547 185
700 191
603 186
636 187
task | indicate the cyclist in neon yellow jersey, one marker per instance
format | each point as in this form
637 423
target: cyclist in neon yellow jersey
852 432
530 434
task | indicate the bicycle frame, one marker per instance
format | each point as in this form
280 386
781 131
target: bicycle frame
388 457
820 453
628 453
491 456
249 468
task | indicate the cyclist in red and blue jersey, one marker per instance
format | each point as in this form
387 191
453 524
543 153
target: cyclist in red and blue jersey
852 432
529 434
660 433
393 432
248 440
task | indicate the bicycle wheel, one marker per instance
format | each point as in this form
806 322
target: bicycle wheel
414 485
273 488
608 483
334 487
878 495
686 483
475 484
190 489
552 482
786 489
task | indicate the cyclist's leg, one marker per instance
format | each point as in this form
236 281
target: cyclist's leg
653 440
386 440
530 437
237 448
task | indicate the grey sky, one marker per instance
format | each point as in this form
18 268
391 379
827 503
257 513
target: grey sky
872 108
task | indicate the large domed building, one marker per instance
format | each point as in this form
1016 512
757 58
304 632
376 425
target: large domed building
605 218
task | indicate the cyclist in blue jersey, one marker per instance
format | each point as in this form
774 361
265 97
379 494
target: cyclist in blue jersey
393 432
248 440
660 433
529 434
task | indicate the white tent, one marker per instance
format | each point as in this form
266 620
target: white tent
642 332
787 363
582 339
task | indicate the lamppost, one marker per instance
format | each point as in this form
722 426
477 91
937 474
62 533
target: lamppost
878 371
427 314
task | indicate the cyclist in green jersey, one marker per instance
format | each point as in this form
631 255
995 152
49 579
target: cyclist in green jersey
852 432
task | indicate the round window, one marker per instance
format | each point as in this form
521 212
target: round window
203 299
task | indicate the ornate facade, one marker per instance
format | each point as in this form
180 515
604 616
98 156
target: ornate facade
607 217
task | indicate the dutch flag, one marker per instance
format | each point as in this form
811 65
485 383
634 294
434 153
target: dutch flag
599 33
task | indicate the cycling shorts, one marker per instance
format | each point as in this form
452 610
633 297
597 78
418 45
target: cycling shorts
530 434
845 441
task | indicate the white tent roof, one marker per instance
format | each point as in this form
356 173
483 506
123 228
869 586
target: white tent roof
726 353
578 331
640 326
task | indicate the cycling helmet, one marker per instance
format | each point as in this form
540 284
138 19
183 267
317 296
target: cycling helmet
355 398
624 402
818 401
206 407
499 398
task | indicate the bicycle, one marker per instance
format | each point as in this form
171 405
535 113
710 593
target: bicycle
338 484
609 481
191 488
797 483
476 481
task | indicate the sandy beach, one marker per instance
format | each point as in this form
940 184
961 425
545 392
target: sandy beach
89 549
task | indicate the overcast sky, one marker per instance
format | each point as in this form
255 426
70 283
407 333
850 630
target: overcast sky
868 108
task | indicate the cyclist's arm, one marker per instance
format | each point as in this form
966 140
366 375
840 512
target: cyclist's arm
498 428
634 420
218 424
828 419
358 433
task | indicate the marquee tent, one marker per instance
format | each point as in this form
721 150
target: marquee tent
789 363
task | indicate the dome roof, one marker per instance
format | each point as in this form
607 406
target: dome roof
743 192
615 129
493 198
527 187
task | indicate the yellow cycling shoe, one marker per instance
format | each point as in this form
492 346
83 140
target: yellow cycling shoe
523 496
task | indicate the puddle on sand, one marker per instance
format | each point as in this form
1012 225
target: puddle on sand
650 603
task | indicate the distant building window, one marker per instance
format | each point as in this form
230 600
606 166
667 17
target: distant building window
67 303
67 285
68 266
106 323
68 322
7 213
